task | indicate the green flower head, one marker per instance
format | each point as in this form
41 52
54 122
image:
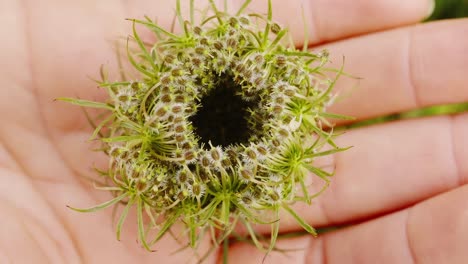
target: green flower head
222 126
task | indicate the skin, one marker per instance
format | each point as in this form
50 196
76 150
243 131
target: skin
401 188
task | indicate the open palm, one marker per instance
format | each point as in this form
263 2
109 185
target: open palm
401 186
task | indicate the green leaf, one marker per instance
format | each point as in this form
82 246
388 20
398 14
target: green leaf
225 211
337 116
141 227
301 221
123 216
155 27
89 119
327 152
192 12
325 186
142 46
274 235
243 7
114 84
136 65
193 233
319 172
332 84
121 138
253 236
267 26
249 215
181 18
103 73
167 225
215 9
97 130
278 38
327 136
86 103
100 206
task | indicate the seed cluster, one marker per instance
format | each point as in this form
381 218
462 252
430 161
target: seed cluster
223 125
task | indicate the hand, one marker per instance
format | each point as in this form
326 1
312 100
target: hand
401 186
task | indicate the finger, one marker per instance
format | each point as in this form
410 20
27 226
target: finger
22 132
61 233
62 59
390 166
290 250
15 81
94 27
403 69
434 231
409 234
95 234
27 213
80 54
324 20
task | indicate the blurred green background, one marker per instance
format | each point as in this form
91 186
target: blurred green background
450 9
444 9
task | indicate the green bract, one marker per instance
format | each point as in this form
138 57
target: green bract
223 127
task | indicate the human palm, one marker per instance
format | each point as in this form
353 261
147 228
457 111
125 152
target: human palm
402 188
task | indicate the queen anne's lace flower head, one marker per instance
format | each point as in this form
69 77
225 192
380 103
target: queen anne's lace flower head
218 127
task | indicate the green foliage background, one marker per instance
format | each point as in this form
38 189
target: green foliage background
450 9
